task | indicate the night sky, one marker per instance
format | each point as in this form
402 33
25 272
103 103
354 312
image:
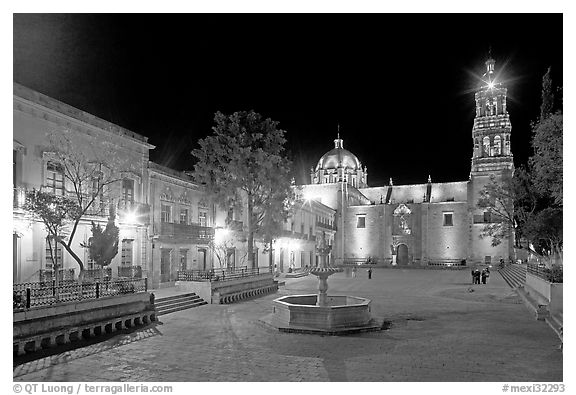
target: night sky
400 86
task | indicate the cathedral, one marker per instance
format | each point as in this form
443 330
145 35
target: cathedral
422 224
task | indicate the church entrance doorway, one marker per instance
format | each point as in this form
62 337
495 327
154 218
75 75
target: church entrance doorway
402 254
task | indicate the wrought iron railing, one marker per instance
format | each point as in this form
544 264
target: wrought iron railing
29 295
221 274
325 225
104 274
130 271
360 261
192 231
539 270
46 275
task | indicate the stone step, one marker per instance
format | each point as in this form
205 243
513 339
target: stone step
515 276
178 304
165 302
167 298
183 307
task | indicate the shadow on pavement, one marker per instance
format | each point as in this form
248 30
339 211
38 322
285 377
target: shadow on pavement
81 348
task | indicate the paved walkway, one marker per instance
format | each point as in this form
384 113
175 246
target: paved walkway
440 331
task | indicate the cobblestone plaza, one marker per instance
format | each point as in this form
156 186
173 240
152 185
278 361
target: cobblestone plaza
440 327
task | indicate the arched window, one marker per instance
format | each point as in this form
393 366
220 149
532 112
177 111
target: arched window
506 145
497 145
477 148
486 145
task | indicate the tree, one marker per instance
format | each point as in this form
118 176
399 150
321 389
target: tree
220 250
89 172
498 199
547 160
243 164
56 213
103 245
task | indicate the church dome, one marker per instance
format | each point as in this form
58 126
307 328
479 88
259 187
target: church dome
338 157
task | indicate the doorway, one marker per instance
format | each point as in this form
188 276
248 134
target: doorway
402 252
165 265
202 258
15 259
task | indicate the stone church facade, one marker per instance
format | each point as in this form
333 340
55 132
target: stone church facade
422 224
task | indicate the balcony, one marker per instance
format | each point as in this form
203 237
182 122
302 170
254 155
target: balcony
234 225
325 226
193 231
296 235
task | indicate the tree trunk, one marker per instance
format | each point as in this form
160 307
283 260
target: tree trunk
76 258
250 233
270 255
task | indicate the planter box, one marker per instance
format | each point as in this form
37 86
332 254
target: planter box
546 293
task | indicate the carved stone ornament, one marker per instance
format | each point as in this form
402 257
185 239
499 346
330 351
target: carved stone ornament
167 195
203 203
402 210
183 199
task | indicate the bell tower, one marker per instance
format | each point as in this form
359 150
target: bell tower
492 128
491 157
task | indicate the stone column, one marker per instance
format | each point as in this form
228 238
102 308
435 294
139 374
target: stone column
322 290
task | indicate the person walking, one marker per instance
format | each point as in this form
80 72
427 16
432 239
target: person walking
354 272
369 273
473 272
484 276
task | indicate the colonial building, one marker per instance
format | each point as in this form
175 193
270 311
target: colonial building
423 224
182 225
167 223
36 166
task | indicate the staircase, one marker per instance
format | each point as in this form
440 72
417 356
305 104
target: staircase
514 275
171 304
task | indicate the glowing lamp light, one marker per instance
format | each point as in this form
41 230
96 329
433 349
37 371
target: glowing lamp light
130 217
491 84
220 235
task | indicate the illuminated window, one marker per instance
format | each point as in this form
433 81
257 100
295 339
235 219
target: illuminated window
361 221
127 252
165 213
448 219
55 178
497 145
128 190
487 216
486 145
184 216
202 220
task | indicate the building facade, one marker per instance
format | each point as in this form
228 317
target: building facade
167 222
182 225
423 224
36 166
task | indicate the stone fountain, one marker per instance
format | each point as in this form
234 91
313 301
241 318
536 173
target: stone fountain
321 313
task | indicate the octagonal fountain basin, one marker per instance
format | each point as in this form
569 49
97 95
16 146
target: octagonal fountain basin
341 315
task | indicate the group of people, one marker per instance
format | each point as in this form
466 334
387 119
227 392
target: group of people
478 275
369 272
